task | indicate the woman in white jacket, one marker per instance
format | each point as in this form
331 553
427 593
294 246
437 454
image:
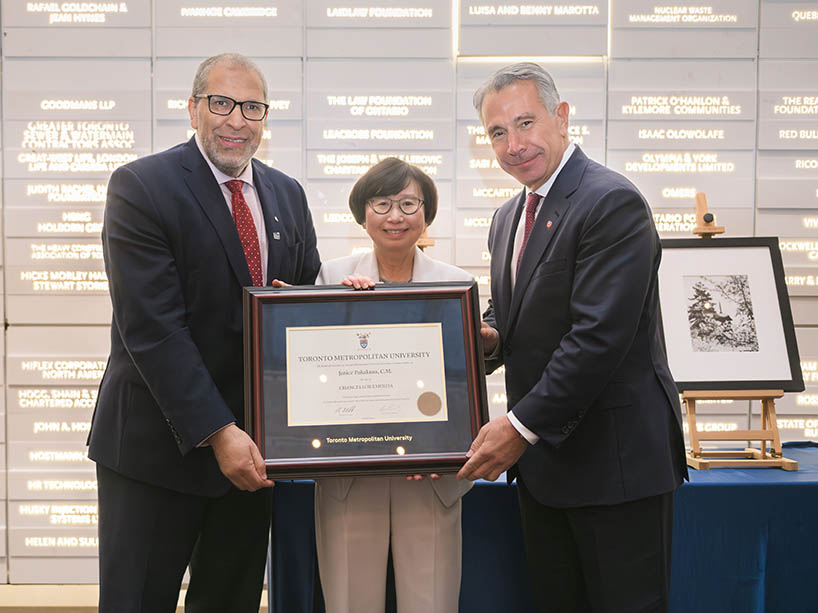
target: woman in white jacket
356 519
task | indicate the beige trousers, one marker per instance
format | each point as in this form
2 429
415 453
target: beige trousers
353 536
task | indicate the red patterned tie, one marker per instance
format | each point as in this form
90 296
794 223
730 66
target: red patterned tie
247 230
530 209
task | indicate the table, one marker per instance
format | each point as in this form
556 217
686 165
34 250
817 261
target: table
744 541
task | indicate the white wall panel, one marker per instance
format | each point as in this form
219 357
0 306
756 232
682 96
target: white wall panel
718 97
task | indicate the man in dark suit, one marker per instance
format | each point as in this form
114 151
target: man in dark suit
593 434
179 480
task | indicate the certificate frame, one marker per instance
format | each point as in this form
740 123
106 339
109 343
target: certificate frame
298 449
711 342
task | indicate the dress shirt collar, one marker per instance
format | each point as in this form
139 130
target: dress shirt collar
221 178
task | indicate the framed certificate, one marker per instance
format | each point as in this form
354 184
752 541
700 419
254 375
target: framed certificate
349 382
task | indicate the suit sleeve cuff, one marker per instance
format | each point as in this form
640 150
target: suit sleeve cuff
524 432
206 441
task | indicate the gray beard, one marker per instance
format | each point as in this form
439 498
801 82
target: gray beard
221 164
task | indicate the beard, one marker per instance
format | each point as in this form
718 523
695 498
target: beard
233 162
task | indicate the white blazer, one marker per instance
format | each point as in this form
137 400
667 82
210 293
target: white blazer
447 488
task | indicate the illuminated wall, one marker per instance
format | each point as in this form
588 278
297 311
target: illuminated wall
718 96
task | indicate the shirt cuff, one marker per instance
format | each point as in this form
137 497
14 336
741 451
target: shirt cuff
205 442
524 432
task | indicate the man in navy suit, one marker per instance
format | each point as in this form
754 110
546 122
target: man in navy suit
593 433
180 482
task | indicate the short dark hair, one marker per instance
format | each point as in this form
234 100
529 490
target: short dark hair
388 177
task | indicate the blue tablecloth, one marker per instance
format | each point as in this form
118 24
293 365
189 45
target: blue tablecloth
744 541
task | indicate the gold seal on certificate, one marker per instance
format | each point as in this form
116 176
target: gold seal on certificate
374 374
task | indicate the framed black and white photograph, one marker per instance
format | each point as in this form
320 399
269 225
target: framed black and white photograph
726 315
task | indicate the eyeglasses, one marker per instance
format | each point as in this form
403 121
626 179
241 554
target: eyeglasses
222 105
408 205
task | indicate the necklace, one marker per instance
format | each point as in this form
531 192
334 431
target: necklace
382 280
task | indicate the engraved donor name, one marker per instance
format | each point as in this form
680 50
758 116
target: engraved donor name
796 105
76 12
680 134
680 162
381 12
354 164
534 10
680 105
696 14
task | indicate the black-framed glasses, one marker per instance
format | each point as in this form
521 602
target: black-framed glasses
224 105
408 205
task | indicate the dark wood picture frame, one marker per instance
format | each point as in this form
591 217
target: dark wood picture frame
779 307
289 451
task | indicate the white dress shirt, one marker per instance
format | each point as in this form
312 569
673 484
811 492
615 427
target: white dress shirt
518 243
248 190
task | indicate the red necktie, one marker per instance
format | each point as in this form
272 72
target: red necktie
530 209
247 230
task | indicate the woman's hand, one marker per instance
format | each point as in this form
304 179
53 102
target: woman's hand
358 282
433 476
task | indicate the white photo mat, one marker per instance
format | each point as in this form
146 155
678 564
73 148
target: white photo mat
680 269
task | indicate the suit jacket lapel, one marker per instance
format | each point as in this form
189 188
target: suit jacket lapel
548 220
424 267
367 266
503 250
209 195
272 225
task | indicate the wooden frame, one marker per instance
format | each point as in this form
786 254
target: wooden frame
295 451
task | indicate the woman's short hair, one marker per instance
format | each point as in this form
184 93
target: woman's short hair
389 177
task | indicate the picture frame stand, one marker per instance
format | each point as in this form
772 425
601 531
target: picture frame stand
705 221
768 434
748 458
425 241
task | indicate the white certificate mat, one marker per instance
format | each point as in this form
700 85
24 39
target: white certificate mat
365 374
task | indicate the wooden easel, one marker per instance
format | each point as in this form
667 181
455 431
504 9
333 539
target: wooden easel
705 221
424 241
748 458
768 433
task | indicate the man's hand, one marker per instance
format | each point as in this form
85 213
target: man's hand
498 446
279 283
490 338
239 458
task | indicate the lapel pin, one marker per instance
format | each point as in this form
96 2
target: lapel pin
548 224
276 235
